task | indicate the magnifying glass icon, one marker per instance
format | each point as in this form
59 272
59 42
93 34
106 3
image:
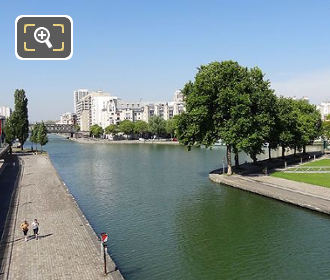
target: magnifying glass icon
41 35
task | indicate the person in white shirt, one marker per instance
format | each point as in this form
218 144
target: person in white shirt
35 227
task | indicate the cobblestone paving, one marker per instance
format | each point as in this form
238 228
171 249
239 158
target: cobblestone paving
67 247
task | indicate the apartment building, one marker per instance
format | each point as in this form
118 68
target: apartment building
5 111
324 109
103 109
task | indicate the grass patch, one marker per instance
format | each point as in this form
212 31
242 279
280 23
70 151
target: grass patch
321 162
319 179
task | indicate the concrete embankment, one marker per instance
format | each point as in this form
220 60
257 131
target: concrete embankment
67 248
300 194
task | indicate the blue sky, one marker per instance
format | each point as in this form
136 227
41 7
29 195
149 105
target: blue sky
148 49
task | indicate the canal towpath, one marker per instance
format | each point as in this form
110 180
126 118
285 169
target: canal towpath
301 194
67 248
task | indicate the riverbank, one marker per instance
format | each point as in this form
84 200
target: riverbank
67 248
301 194
107 141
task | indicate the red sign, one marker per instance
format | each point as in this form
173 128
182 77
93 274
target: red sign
104 237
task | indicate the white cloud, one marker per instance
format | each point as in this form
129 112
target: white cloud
316 86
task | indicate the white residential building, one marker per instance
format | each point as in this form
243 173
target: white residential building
103 109
5 111
324 109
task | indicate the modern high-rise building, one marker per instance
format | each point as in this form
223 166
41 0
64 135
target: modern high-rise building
77 96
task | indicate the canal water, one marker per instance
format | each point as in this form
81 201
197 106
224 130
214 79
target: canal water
166 220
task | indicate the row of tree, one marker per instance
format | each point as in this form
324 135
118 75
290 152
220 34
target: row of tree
17 125
156 126
39 135
237 105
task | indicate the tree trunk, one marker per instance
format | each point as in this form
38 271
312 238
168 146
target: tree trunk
254 158
269 152
295 151
236 159
283 152
304 149
229 168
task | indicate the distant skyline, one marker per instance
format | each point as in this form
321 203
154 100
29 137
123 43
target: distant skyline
148 49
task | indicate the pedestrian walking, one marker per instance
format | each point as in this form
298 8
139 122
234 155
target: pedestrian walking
25 229
35 227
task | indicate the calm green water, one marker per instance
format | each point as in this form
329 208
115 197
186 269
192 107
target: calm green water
166 220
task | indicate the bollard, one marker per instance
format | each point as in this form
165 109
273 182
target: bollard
285 165
301 160
105 258
314 157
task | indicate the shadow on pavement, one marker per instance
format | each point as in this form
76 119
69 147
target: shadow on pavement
7 185
7 188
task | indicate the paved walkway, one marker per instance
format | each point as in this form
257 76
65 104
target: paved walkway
301 194
67 247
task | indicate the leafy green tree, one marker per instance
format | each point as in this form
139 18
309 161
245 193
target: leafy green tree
140 127
9 131
34 135
157 125
228 102
326 127
309 124
287 123
20 117
111 129
96 130
273 138
77 127
127 127
259 113
171 126
42 135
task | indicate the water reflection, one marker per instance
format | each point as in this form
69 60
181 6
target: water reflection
230 234
166 220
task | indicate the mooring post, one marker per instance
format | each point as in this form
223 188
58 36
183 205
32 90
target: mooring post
105 258
104 239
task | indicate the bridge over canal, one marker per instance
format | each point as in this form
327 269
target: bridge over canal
59 128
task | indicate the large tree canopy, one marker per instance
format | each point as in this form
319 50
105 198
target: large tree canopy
140 127
229 102
96 130
157 125
127 127
111 129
